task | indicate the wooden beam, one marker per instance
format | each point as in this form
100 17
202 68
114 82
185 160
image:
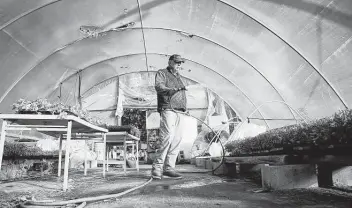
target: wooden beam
271 159
37 126
327 159
288 159
22 136
85 138
38 129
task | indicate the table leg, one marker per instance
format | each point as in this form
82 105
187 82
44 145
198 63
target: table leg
93 150
2 140
60 157
124 154
67 155
137 163
104 154
107 161
85 157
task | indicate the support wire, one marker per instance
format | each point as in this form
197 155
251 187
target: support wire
144 42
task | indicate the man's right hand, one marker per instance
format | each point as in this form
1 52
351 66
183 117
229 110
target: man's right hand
179 89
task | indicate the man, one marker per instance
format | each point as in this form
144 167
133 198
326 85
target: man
168 82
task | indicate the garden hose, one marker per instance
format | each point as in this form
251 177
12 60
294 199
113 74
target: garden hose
28 204
83 201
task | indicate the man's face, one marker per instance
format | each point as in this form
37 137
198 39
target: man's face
175 65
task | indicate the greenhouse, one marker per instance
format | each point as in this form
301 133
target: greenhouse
246 103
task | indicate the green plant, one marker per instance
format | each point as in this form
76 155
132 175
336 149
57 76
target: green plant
332 130
131 129
40 106
16 149
136 118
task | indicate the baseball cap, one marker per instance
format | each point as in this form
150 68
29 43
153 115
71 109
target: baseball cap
177 58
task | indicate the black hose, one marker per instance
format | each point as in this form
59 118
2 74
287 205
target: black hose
172 101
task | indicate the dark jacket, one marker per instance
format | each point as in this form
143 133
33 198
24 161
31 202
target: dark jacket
166 84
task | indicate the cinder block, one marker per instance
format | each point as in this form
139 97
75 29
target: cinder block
288 177
208 164
94 164
219 168
200 162
232 170
342 176
250 171
193 161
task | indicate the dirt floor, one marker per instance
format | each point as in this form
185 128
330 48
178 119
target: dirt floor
194 190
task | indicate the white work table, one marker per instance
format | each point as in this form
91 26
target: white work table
67 127
125 139
111 137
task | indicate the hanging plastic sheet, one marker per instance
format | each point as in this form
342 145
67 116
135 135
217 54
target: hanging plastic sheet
120 100
244 130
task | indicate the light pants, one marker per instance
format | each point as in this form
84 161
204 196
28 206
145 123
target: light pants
170 138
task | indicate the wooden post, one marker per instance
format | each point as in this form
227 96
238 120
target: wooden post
79 89
124 154
60 156
325 176
85 157
137 161
147 133
93 150
2 140
67 155
146 129
119 122
104 154
107 160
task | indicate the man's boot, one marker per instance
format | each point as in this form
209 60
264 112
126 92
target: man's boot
171 173
156 173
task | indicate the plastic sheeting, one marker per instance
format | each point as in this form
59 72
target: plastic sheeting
245 130
250 53
137 91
